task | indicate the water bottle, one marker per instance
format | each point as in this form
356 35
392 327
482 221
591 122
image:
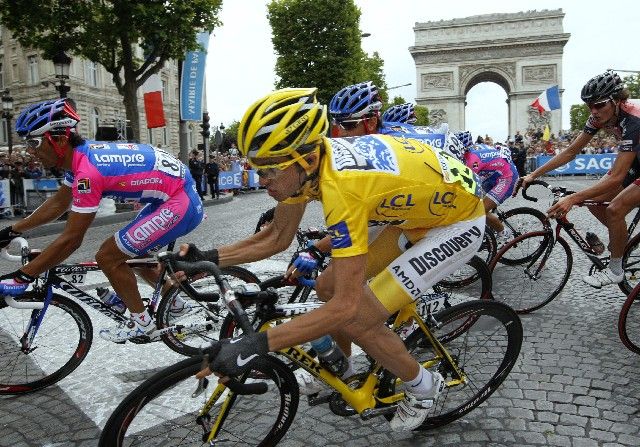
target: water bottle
111 299
594 241
330 355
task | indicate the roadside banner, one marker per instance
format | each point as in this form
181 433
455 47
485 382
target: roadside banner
582 164
192 82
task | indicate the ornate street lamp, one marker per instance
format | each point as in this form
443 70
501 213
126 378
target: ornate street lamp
7 114
61 64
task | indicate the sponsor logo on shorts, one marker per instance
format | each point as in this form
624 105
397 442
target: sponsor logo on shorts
421 264
160 222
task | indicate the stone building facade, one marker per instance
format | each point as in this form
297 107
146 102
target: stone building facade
30 78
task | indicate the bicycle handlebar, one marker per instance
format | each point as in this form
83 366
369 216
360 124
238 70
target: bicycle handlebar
15 258
535 182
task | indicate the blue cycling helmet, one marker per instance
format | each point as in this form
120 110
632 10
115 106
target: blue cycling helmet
355 101
401 113
56 116
465 138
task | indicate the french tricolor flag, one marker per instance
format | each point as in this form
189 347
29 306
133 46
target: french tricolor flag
548 100
152 93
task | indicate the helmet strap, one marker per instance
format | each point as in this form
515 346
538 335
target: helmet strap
60 151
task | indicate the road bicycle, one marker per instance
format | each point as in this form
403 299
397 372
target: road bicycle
548 260
474 345
629 321
45 334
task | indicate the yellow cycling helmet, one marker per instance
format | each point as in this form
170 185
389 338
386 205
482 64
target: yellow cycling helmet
281 123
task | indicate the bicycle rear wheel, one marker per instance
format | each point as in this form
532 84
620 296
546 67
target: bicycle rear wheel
520 221
486 352
631 265
530 285
162 411
59 347
629 321
202 323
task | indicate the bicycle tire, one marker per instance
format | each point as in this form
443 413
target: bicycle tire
54 352
169 393
207 316
530 285
629 326
463 277
496 336
631 265
520 221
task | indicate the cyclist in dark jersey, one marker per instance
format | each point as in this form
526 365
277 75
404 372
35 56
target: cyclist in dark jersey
613 112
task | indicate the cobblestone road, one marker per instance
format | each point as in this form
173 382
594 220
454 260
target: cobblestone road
574 385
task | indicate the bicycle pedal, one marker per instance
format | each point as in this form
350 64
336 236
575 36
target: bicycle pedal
319 398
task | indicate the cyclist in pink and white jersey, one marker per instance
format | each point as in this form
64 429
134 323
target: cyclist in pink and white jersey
498 173
136 172
613 112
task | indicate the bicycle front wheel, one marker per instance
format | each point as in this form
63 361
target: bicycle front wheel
60 345
520 221
163 410
629 321
200 323
485 354
530 285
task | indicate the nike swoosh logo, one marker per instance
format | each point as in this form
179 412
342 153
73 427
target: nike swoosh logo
241 362
235 340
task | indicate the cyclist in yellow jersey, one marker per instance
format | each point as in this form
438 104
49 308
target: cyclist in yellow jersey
373 189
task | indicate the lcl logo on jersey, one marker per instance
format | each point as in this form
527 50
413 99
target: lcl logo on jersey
400 202
441 200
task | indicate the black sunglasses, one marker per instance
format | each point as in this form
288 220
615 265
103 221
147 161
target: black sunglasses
348 124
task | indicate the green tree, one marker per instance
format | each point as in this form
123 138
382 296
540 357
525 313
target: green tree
319 44
422 115
373 70
633 84
108 31
578 116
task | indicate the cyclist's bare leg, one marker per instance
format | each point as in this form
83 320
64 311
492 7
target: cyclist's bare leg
370 333
616 212
113 263
600 212
324 290
492 220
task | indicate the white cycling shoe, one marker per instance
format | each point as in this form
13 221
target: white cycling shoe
179 308
414 409
603 278
128 330
307 383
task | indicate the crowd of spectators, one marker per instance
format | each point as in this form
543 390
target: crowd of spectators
19 164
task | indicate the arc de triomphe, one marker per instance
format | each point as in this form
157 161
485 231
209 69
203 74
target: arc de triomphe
521 52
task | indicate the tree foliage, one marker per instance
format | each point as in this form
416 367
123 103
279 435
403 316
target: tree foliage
318 44
578 116
633 84
108 31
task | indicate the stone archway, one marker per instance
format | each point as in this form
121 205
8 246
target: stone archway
521 52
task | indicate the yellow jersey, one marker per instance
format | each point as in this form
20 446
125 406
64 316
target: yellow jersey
391 180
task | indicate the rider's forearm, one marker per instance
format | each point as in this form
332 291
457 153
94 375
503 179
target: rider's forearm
54 207
54 254
255 248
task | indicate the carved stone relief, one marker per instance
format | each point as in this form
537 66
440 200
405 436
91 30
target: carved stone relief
539 74
538 120
437 117
437 81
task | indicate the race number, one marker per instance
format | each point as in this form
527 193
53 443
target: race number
76 278
169 164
